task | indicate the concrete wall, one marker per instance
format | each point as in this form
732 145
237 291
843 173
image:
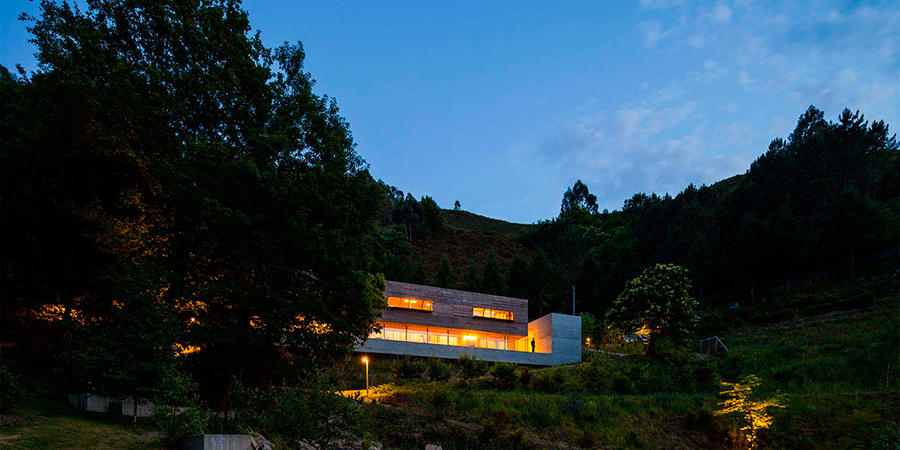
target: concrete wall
97 403
557 339
453 309
541 330
217 442
90 402
125 407
566 338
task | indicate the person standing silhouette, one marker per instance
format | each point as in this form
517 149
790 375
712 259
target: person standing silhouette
532 345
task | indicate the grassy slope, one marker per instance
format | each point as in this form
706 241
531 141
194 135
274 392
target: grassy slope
467 240
839 370
53 425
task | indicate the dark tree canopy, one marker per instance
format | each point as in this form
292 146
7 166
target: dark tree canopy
434 216
821 198
491 276
445 276
164 137
579 197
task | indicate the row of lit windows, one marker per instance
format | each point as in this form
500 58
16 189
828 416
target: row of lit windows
492 313
458 338
411 303
428 305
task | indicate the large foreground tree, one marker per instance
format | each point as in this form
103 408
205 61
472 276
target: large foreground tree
164 137
658 301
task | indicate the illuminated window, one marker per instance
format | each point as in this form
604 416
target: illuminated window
492 314
450 336
410 303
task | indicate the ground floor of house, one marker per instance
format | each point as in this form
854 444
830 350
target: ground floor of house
556 339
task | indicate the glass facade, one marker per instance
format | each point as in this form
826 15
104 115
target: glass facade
450 336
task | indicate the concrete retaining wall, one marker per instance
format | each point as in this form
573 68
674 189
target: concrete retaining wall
90 402
98 403
217 442
125 407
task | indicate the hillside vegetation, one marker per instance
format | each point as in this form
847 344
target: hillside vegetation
823 200
839 371
467 240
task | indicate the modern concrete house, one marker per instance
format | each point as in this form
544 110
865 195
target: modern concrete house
446 323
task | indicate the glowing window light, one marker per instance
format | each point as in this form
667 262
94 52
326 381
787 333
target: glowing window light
410 303
488 313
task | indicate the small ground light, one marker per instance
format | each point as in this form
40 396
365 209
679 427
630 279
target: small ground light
588 342
366 360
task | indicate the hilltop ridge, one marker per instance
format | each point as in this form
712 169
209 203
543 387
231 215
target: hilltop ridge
467 240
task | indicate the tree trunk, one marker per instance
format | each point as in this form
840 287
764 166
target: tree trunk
651 345
134 402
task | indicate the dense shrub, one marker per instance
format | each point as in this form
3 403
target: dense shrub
548 380
438 370
439 398
503 375
681 373
176 423
177 412
471 367
11 393
623 383
523 374
408 368
293 415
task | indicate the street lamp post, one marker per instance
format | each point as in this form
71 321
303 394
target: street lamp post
366 360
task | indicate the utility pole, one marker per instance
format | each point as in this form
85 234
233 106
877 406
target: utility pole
573 300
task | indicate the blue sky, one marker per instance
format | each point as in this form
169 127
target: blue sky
503 105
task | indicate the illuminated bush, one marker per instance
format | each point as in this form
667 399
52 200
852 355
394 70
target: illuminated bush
753 413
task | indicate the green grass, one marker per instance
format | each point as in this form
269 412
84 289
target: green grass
42 424
840 372
842 353
477 418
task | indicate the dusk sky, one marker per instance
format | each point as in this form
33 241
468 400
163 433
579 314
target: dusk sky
503 105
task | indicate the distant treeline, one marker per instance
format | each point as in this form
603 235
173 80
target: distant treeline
825 195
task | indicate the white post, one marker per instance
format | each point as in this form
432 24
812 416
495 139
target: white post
573 300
